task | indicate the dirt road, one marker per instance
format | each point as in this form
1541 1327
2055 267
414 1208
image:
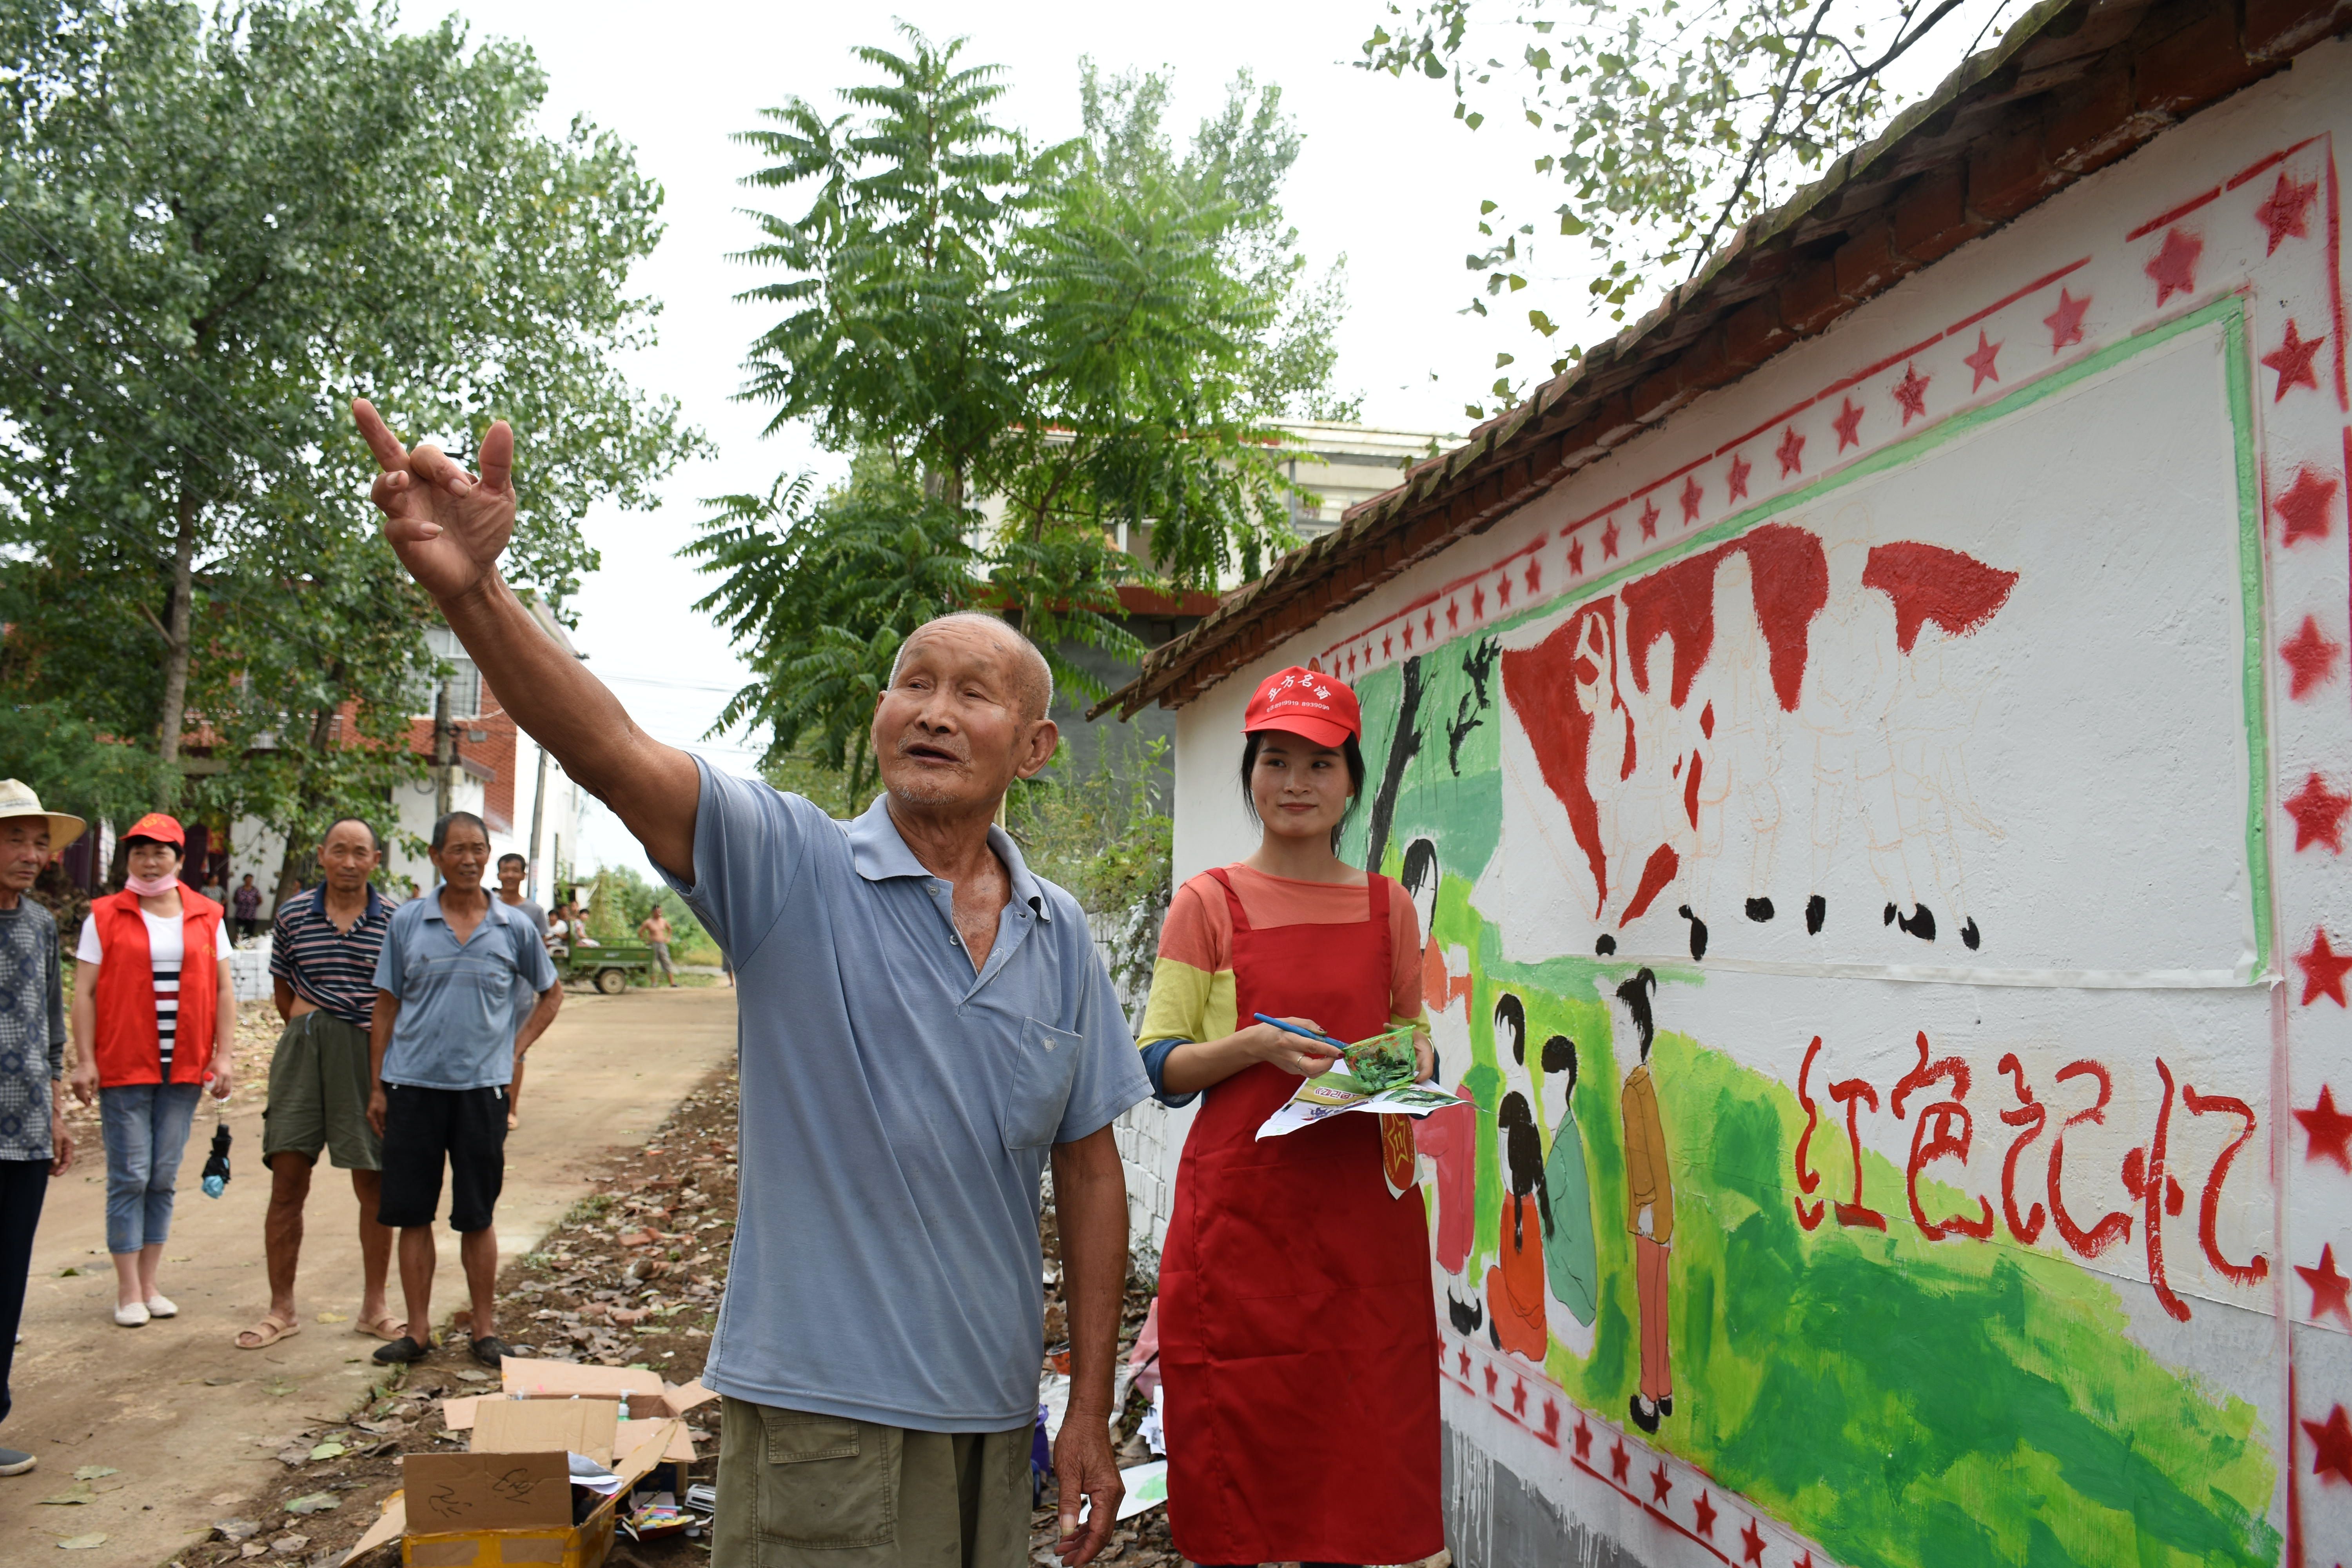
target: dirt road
186 1421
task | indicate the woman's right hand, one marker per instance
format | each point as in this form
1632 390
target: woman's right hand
1292 1053
84 1081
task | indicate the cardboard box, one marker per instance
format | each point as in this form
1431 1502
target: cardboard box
524 1379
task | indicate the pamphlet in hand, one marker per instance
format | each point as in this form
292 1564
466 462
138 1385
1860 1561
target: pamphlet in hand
1336 1092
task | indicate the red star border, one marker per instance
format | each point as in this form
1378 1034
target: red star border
1691 494
2322 971
1429 621
1751 1544
2303 505
1453 612
1704 1509
2326 1132
1848 424
1619 1461
1534 577
2331 1290
1649 520
2292 359
1575 567
1791 452
1911 393
2173 268
1583 1439
2310 659
2331 1445
1740 469
1981 361
1408 637
2065 322
2318 813
1503 588
1479 601
2282 211
1661 1483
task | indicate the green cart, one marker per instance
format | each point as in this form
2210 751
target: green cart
607 968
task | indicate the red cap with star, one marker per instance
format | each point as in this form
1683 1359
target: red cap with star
163 830
1305 703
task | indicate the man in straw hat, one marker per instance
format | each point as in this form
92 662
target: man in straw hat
34 1144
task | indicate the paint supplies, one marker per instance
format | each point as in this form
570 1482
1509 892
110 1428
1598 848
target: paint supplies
1379 1062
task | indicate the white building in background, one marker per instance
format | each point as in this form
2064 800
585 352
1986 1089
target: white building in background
531 807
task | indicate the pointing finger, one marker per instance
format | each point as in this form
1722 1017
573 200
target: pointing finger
390 455
496 455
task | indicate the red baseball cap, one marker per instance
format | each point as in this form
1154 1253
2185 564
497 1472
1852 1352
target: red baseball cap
1306 702
162 828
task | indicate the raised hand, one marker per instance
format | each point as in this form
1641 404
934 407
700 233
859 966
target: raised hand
448 527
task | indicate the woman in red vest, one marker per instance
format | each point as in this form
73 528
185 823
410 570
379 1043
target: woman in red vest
154 1018
1299 1331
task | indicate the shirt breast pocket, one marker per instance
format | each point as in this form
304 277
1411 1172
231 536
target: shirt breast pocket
1037 1088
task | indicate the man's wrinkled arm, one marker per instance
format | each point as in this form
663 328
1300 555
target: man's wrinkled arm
1090 1210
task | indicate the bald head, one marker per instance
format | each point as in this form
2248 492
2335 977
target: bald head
1026 672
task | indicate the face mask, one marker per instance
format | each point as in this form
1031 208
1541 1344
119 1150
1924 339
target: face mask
152 886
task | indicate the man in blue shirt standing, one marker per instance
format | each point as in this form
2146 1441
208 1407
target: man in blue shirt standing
924 1026
445 1043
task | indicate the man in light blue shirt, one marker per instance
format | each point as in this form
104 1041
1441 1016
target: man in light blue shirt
925 1027
446 1039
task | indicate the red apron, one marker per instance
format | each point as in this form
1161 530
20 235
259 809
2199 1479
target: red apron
1297 1327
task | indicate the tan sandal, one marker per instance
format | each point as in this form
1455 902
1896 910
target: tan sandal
385 1327
269 1332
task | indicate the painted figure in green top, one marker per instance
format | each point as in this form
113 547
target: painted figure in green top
1570 1266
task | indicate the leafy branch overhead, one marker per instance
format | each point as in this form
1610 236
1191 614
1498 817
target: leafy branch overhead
1664 125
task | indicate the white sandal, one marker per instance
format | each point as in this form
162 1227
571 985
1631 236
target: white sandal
162 1306
131 1317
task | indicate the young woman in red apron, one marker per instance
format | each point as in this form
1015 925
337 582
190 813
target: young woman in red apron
1298 1328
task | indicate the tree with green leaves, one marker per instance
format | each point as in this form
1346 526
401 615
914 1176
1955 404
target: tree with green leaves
215 226
1668 125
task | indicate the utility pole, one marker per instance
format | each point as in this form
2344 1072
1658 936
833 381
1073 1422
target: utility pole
445 749
537 820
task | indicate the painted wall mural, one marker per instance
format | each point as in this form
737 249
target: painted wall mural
1891 927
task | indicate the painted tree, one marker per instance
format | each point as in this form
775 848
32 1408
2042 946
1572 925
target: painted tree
1667 126
215 228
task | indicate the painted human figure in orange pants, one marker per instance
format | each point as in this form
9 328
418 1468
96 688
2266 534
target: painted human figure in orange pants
1515 1284
1650 1209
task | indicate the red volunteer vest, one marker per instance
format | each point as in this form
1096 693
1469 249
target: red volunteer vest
128 1050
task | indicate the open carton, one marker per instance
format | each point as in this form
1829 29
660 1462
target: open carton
652 1402
508 1500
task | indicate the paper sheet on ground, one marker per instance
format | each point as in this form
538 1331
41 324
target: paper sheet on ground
1334 1093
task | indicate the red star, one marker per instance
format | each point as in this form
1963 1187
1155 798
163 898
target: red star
2322 971
2318 813
1791 452
2173 268
1706 1511
1649 520
2292 359
2065 322
1503 588
1465 1363
1848 425
1518 1398
2326 1132
2303 505
1479 603
1618 1460
1534 577
1453 614
2330 1292
1740 469
1551 1423
1576 558
1492 1378
1408 637
1352 661
1429 625
1609 538
1911 392
1981 361
1385 649
1691 493
2331 1444
1751 1544
2310 657
2282 211
1583 1438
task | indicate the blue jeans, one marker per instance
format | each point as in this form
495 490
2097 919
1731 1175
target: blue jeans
146 1130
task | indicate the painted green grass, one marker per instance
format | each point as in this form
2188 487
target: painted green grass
1902 1402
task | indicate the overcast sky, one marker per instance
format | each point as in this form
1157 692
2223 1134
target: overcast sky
1386 176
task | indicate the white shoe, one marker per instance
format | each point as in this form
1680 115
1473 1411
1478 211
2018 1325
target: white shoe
162 1306
131 1317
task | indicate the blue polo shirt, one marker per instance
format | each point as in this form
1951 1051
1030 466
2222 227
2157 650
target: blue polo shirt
896 1113
458 1017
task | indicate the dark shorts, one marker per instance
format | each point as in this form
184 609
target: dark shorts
424 1127
319 1095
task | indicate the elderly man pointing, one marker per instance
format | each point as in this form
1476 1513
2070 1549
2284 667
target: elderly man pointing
922 1022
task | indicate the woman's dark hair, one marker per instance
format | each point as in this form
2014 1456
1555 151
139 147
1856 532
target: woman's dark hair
1348 750
1560 1056
139 839
1420 867
1512 1014
1523 1160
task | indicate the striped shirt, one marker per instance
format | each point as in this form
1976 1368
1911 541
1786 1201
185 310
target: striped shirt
166 950
333 970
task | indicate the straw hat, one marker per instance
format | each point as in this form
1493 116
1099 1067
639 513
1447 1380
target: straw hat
17 799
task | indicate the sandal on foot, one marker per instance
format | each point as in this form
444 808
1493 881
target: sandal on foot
489 1350
401 1351
383 1326
269 1332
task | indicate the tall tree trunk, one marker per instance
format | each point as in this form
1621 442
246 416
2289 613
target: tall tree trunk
178 638
298 838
